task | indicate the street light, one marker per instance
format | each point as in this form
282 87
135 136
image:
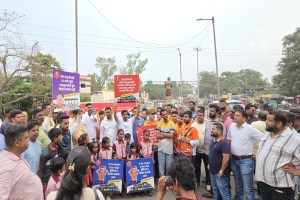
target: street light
216 59
180 76
198 85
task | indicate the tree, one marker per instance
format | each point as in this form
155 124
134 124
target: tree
134 64
251 80
24 73
208 83
230 83
288 79
107 68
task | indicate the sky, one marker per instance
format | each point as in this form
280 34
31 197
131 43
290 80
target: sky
249 33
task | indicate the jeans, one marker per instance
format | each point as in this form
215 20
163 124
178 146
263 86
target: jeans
220 187
243 177
275 193
197 164
164 161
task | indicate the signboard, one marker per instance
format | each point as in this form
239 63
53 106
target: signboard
127 88
108 175
152 129
139 175
65 90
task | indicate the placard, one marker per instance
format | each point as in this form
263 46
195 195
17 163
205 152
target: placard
108 175
65 90
139 175
152 129
127 88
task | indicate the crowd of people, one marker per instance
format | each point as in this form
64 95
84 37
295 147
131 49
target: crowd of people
52 156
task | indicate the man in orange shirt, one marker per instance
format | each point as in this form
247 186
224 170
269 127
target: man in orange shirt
188 139
179 127
151 120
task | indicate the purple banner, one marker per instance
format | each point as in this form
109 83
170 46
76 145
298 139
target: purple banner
65 90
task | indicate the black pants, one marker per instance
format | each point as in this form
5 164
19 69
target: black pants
197 164
268 192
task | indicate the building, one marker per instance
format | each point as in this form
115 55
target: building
85 84
103 96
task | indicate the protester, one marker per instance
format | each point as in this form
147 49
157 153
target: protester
151 119
199 124
250 110
106 152
57 167
192 108
16 117
17 180
182 180
80 129
109 127
33 153
51 151
119 147
138 122
25 117
38 114
224 112
278 151
242 137
218 163
7 122
134 152
165 132
73 183
89 120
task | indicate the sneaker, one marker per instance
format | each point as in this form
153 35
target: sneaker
208 188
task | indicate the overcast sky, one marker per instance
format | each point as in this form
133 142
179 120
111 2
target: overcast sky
249 33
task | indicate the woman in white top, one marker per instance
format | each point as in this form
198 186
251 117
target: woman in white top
73 183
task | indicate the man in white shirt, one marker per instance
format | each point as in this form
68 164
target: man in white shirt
200 126
89 120
109 127
242 136
125 122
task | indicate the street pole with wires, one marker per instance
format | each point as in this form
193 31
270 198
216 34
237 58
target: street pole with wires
181 98
76 35
198 85
216 57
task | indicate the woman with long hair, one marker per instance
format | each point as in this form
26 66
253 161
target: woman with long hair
73 184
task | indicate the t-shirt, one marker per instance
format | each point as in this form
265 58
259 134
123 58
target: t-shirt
136 124
47 155
127 126
191 134
43 137
33 154
201 134
87 194
215 159
166 144
2 142
17 180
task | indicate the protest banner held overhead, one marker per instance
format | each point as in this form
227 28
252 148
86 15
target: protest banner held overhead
127 88
65 90
139 175
108 175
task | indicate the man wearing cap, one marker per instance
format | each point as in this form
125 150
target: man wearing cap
151 120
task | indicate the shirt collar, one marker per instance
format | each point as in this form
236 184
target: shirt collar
220 139
11 155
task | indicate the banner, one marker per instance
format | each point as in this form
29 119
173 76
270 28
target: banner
108 175
65 90
139 175
127 88
152 129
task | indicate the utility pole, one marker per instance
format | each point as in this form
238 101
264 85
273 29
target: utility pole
198 85
216 57
180 76
76 35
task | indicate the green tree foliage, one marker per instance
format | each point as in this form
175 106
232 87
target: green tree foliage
106 69
24 72
241 82
134 64
208 83
288 79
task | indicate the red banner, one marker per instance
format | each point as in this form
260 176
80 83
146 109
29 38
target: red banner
97 106
152 129
127 88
